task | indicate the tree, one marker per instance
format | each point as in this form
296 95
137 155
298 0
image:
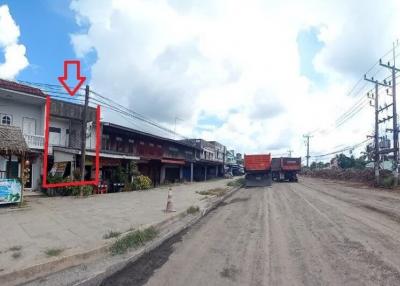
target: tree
346 162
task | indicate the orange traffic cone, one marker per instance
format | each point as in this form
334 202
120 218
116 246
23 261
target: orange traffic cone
170 204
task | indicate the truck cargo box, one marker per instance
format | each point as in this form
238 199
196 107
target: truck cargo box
259 162
258 170
291 164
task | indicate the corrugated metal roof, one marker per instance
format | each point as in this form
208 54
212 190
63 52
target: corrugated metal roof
12 85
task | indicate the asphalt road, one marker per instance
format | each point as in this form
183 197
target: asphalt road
308 233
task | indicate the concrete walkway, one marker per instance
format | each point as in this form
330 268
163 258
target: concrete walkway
76 225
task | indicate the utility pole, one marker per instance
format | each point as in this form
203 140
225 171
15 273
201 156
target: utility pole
83 136
308 147
378 109
290 153
394 108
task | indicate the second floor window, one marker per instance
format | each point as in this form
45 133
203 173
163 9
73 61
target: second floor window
106 143
120 144
6 119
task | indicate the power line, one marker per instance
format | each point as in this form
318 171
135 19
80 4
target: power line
135 115
355 107
342 150
57 91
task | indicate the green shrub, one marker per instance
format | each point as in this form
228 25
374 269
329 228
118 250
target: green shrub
86 190
192 209
141 182
236 183
387 182
53 251
129 187
133 239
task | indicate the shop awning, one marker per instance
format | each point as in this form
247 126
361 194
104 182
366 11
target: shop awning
176 162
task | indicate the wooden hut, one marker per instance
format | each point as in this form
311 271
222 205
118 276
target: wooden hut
12 143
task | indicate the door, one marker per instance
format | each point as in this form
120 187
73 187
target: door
29 126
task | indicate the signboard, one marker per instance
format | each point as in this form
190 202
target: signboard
10 191
58 168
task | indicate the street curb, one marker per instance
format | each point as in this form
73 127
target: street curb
98 278
41 270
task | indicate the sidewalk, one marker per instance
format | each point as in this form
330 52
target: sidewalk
76 225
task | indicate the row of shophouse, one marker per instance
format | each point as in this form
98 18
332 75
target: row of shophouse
162 159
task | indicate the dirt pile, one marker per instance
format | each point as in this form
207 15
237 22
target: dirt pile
364 176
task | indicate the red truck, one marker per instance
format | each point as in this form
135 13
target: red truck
285 168
258 170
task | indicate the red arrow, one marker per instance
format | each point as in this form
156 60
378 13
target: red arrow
80 79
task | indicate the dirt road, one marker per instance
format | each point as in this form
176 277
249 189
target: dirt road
308 233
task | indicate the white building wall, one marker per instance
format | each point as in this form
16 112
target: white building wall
19 110
63 124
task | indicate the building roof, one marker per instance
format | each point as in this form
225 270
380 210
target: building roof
12 85
178 142
12 141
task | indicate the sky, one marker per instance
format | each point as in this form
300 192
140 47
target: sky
254 75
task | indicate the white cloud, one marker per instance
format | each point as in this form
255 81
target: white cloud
237 61
14 53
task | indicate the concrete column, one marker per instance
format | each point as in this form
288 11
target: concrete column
205 173
191 172
216 171
181 173
162 175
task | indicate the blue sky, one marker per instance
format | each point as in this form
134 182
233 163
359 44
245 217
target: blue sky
308 46
45 26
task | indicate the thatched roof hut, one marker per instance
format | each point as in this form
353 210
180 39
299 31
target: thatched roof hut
12 141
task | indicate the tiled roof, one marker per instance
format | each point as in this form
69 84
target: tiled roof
11 140
12 85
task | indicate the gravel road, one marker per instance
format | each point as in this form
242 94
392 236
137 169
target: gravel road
309 233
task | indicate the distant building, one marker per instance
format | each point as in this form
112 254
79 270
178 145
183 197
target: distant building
211 160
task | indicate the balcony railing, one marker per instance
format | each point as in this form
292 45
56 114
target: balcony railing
34 141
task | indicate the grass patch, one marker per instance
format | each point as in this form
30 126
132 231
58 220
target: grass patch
236 183
111 234
15 248
213 192
53 251
133 240
16 255
192 209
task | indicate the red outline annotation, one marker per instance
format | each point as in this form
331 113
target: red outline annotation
46 152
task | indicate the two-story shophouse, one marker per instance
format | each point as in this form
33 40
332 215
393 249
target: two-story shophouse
211 159
163 160
23 106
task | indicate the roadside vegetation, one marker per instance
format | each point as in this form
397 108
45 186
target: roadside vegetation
16 251
53 251
133 240
130 177
213 192
236 183
349 169
111 234
15 248
193 209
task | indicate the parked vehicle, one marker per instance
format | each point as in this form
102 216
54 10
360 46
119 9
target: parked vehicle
258 170
285 168
237 171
